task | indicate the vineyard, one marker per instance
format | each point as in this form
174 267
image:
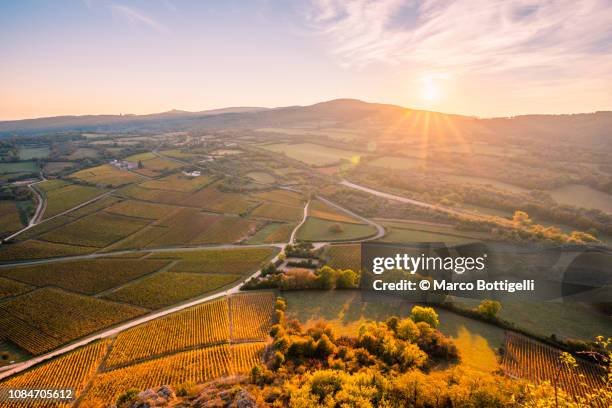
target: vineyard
250 315
89 276
323 211
189 346
280 212
41 320
525 358
343 256
193 366
200 325
70 371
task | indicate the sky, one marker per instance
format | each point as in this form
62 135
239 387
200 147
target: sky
475 57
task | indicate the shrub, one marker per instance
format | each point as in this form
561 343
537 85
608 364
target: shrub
407 330
489 309
425 314
336 228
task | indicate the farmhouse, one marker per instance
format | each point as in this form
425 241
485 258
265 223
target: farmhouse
124 164
195 173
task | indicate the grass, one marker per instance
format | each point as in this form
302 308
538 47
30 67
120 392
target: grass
231 261
583 196
313 154
33 249
272 232
315 229
59 316
9 287
565 320
177 154
106 175
167 288
346 311
83 153
178 182
275 211
69 196
29 153
96 230
86 276
18 167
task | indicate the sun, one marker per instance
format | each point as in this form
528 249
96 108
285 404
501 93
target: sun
431 89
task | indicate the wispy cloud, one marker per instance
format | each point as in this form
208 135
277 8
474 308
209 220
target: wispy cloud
136 17
467 36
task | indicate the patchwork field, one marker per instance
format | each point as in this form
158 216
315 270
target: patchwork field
64 197
10 220
167 288
284 197
313 154
96 230
204 324
271 233
343 256
251 315
178 182
156 167
10 287
70 371
18 167
140 209
231 261
319 209
526 358
33 249
86 276
106 175
41 320
315 229
194 366
275 211
261 177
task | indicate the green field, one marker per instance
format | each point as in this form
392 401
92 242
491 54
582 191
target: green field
29 153
315 229
168 288
346 311
313 154
583 196
565 320
18 167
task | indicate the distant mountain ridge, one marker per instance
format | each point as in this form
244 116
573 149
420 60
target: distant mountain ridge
593 128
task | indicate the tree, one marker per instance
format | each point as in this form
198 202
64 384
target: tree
521 218
407 330
326 277
425 314
336 228
346 279
489 308
140 165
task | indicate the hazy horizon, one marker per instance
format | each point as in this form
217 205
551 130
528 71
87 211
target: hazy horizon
136 57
